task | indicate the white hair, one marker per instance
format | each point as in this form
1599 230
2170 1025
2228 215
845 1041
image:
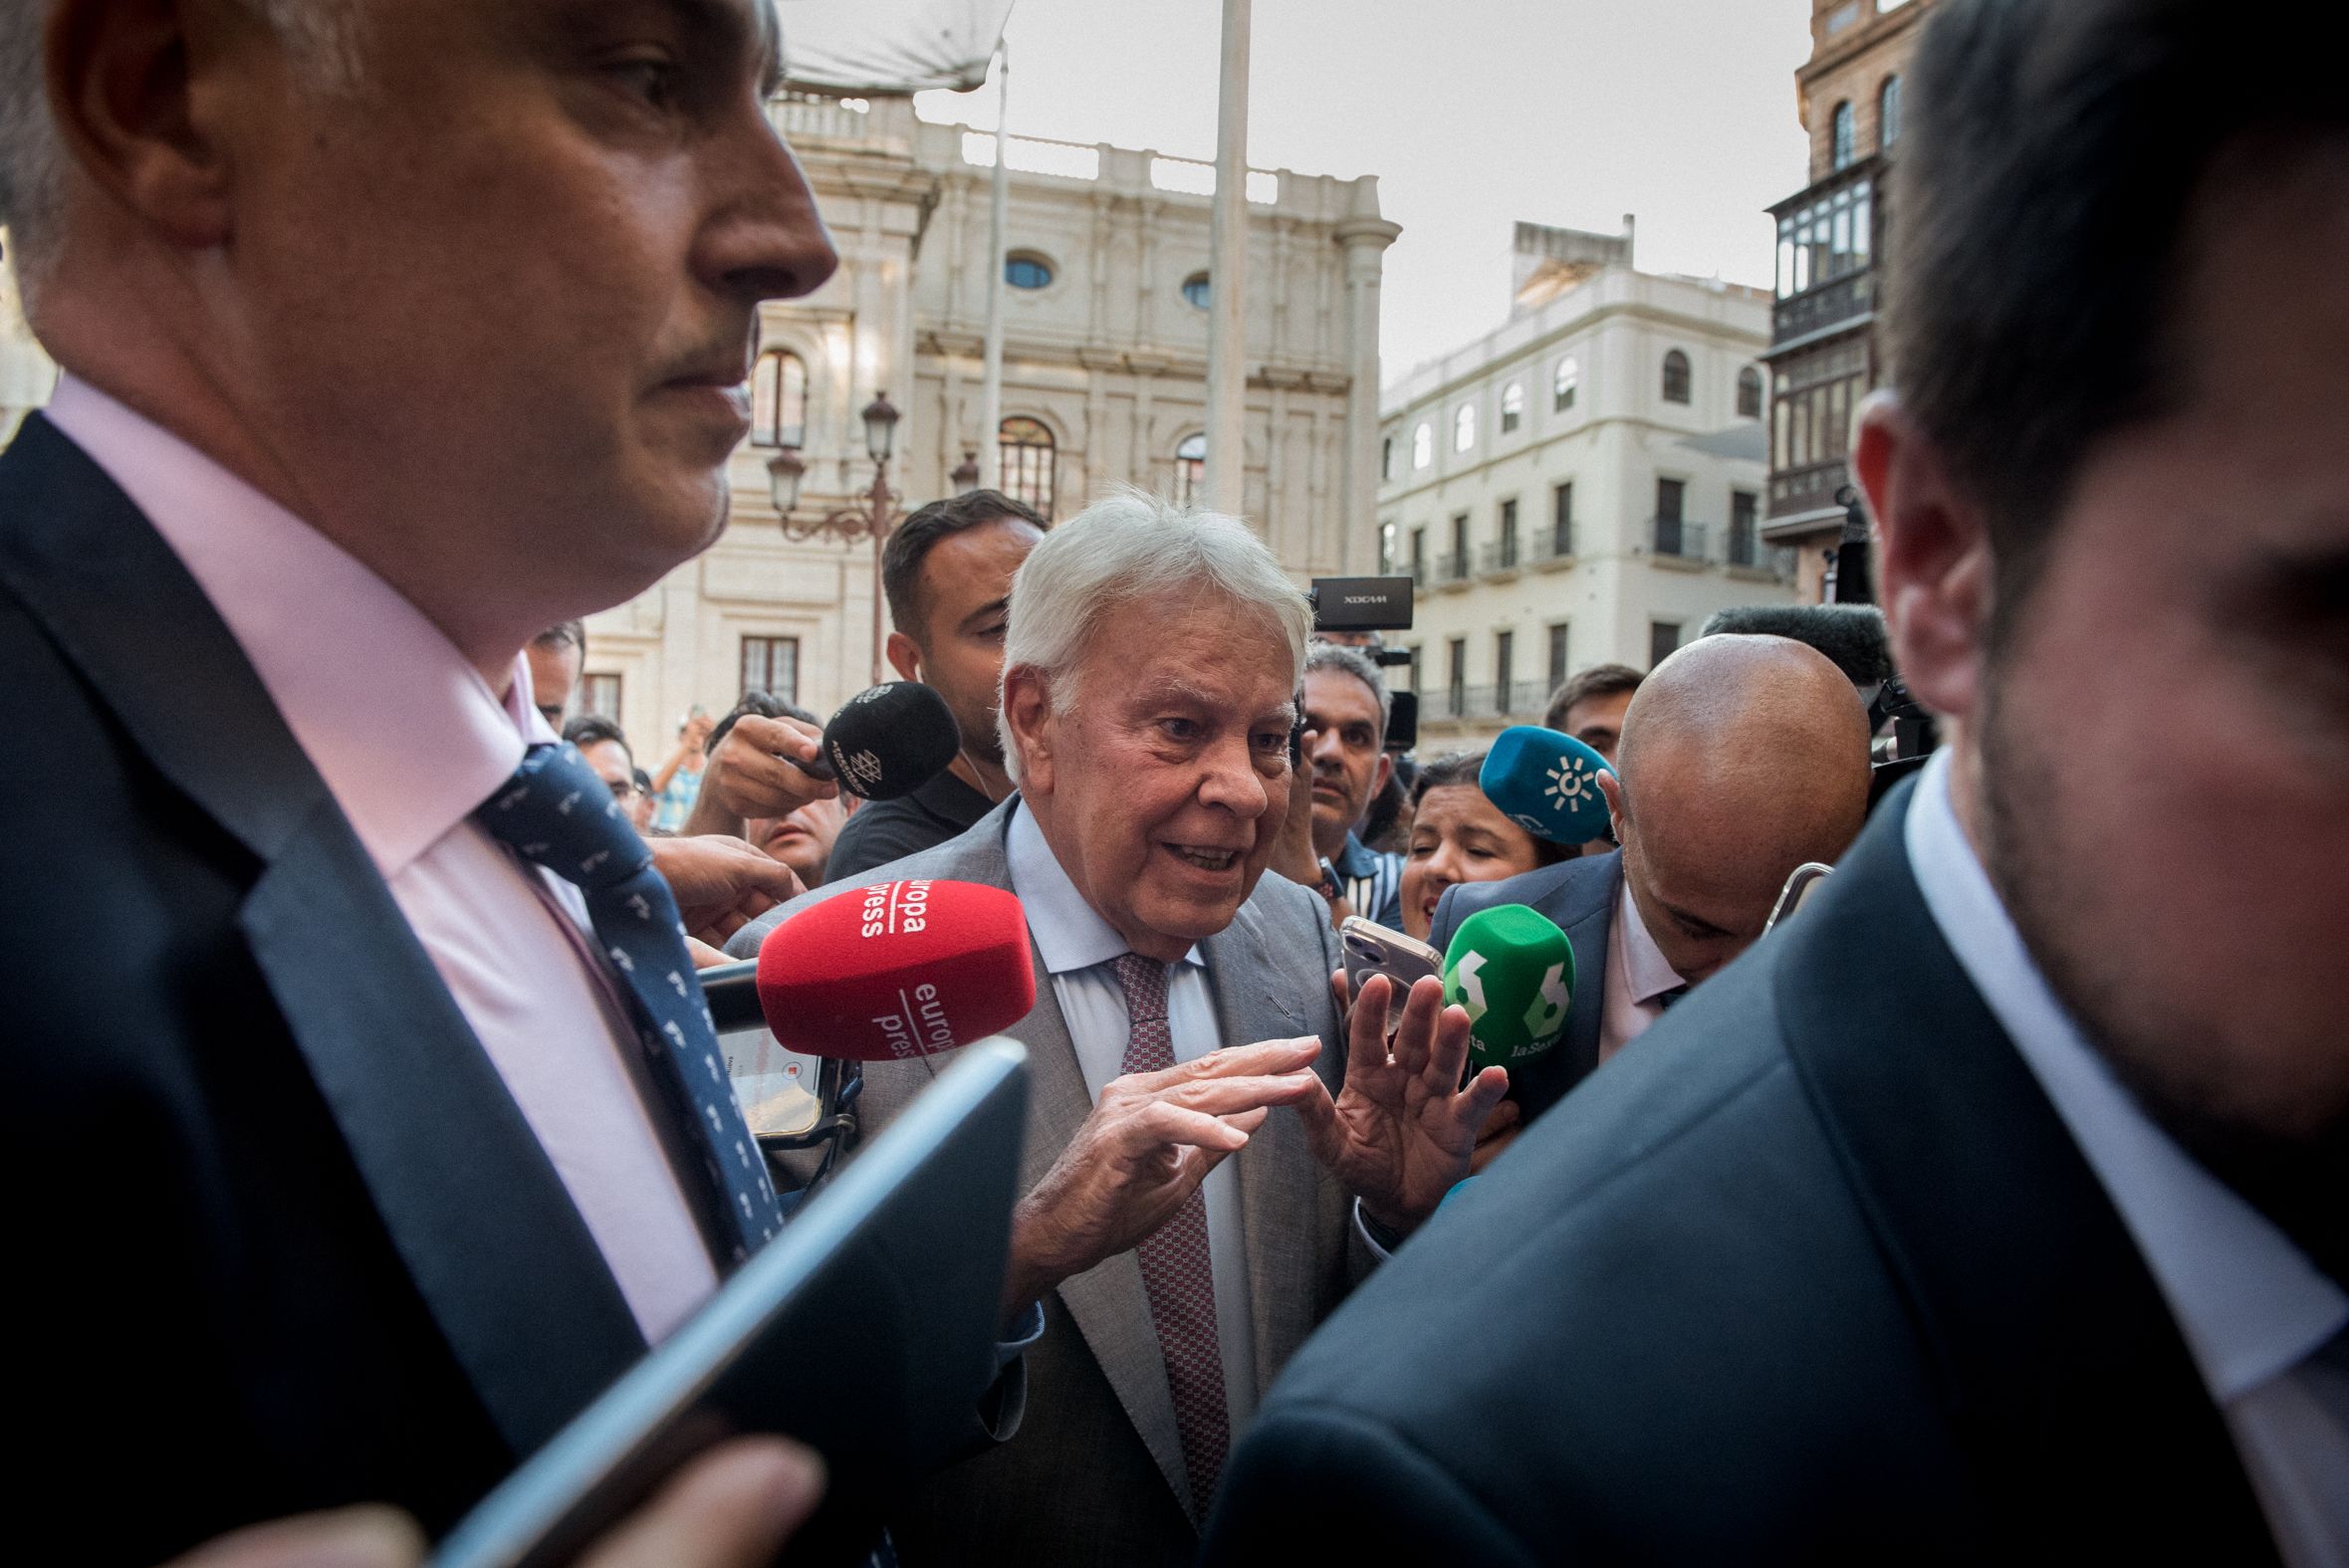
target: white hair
322 36
1127 546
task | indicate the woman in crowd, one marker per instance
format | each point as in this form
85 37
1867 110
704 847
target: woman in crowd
1458 835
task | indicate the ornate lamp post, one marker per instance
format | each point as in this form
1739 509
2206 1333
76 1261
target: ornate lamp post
965 477
872 518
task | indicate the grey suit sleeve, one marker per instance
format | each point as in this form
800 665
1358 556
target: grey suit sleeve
1322 1484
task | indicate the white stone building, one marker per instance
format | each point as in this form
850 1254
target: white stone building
1104 380
1582 484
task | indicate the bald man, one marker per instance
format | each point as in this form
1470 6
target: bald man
1741 757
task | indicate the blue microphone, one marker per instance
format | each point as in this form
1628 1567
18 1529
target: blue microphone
1547 783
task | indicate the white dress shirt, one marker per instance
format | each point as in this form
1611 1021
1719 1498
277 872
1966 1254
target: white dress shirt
2253 1309
1637 973
1080 951
410 740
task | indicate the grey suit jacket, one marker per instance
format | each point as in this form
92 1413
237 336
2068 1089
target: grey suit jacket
1095 1473
1580 895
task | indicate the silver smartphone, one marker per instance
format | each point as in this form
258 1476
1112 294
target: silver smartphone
1372 948
1806 877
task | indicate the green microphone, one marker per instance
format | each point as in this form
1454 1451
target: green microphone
1512 969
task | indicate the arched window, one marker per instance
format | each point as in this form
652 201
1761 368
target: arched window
1563 382
1190 468
1026 447
1026 270
1195 290
1423 446
1748 393
1887 114
1676 378
1512 407
1841 150
779 400
1464 428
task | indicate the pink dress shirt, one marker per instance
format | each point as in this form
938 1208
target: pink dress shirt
409 739
1637 973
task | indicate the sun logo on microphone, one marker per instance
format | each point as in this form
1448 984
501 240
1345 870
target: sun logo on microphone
1573 783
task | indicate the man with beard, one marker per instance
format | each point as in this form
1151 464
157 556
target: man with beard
1344 744
948 572
1992 1210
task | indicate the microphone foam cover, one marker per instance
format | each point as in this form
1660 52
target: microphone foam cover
898 970
892 739
1512 969
1547 783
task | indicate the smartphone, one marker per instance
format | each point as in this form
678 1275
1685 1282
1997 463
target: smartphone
1372 948
1808 876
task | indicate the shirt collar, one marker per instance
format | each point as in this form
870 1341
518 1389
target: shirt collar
2250 1304
403 730
1355 858
1644 965
1070 933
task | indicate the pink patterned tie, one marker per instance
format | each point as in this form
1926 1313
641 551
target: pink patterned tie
1175 1270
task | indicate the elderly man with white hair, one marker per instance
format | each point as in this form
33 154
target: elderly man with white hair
1182 1230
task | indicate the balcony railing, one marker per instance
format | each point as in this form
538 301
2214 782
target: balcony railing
1554 542
1516 700
1848 300
1450 568
1677 538
1501 555
1796 492
1745 548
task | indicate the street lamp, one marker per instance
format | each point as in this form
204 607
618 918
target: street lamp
965 477
873 517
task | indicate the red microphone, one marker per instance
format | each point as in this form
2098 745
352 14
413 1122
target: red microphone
898 970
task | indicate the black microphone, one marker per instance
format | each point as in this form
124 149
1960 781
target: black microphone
888 741
1850 635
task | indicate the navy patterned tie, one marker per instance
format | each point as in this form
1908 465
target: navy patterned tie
557 813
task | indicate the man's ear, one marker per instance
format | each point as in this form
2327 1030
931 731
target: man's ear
1934 559
905 656
1382 772
1610 787
132 84
1028 710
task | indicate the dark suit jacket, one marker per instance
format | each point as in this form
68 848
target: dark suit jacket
1095 1474
1814 1274
280 1236
1579 896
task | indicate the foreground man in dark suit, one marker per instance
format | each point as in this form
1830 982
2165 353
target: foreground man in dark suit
393 332
1992 1210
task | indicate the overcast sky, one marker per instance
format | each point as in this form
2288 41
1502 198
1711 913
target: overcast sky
1473 113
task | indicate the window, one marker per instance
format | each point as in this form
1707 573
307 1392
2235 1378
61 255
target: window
1562 519
1458 564
1558 655
1513 406
1663 639
771 665
779 400
1455 676
1026 447
600 697
1840 149
1419 554
1748 393
1413 677
1744 507
1507 549
1505 649
1826 240
1423 446
1386 549
1563 382
1189 467
1464 428
1195 290
1026 270
1676 378
1887 114
1671 496
1812 404
1386 457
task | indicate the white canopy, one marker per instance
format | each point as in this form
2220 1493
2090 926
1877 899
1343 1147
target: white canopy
853 48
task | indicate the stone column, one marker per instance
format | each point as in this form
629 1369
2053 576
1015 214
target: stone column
1365 236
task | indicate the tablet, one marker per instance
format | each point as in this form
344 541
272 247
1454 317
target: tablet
866 1330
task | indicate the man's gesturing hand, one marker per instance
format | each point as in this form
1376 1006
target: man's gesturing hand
1143 1152
721 884
1400 1134
751 773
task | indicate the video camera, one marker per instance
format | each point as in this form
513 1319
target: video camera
1354 606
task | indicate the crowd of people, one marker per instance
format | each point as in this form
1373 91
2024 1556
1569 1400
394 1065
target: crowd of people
1985 1207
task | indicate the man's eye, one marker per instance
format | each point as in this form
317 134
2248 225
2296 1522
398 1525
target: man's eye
1271 741
1180 729
653 80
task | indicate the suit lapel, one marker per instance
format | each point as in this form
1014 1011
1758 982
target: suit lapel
475 1210
2061 1363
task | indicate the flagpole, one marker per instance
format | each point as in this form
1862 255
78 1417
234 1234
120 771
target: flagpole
1227 365
990 380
